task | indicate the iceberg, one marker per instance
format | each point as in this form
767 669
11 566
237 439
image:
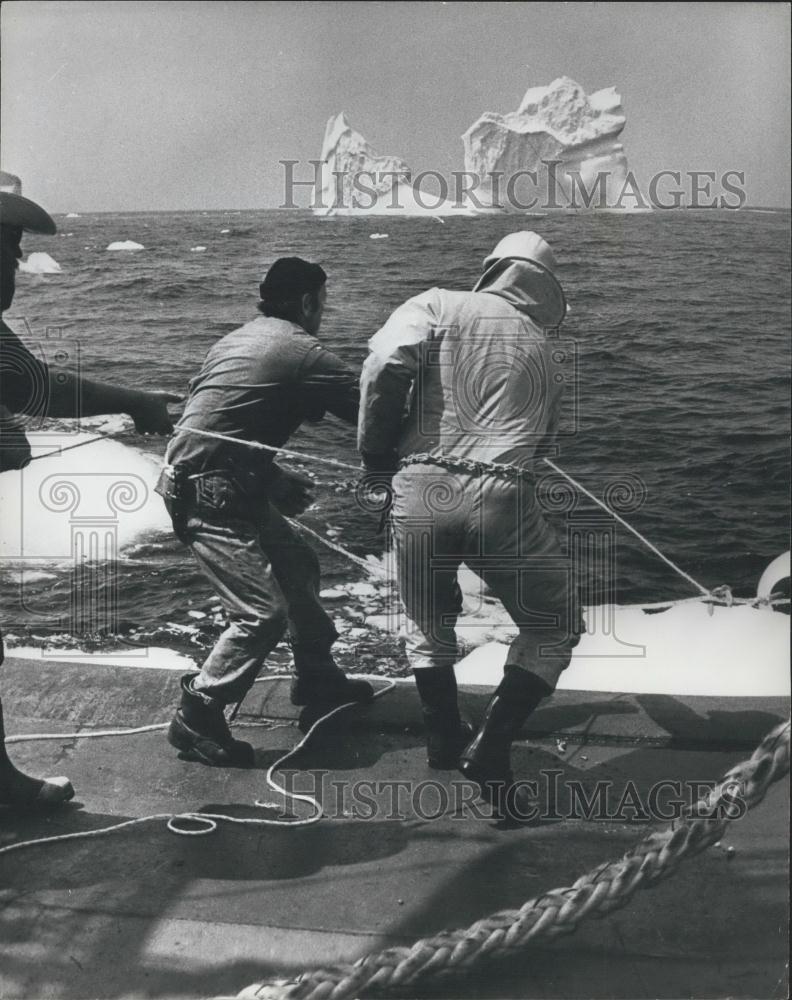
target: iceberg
126 245
108 483
566 140
354 180
39 263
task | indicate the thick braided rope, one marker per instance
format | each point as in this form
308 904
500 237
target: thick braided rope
600 891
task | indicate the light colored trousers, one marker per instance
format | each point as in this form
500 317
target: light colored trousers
495 526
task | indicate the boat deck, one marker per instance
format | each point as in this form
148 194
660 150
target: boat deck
144 913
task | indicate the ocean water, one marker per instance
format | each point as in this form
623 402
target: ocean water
677 343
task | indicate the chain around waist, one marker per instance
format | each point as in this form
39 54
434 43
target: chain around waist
468 465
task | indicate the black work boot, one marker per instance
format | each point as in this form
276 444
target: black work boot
20 791
200 731
319 680
446 733
487 759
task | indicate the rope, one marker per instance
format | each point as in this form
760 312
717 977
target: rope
629 527
720 595
370 567
268 447
69 447
206 822
753 602
304 456
604 889
482 466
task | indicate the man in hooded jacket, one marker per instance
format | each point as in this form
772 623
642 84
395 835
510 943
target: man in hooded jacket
460 393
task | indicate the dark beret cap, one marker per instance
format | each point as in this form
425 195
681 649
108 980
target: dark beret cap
289 278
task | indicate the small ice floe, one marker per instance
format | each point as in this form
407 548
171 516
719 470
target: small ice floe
224 232
197 614
27 575
40 263
197 249
388 622
332 594
126 245
72 215
378 236
181 629
362 590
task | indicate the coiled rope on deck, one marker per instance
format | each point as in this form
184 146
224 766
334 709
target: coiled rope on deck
203 822
602 890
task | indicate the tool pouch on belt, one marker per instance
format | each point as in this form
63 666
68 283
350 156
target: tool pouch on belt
174 487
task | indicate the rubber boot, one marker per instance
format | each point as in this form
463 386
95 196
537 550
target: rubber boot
319 680
487 759
446 733
200 731
20 791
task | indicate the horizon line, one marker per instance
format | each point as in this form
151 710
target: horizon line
362 214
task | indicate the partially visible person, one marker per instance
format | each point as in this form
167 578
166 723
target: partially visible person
258 384
458 393
29 389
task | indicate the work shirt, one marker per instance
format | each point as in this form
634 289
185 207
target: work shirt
259 383
467 375
24 388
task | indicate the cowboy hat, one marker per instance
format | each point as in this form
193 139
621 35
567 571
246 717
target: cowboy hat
22 212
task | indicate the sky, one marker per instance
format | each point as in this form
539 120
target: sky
143 105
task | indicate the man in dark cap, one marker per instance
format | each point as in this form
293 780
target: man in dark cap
228 501
28 388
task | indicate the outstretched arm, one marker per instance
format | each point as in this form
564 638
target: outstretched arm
27 385
387 378
74 396
329 385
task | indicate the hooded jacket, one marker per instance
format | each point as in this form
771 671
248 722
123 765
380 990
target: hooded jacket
467 375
